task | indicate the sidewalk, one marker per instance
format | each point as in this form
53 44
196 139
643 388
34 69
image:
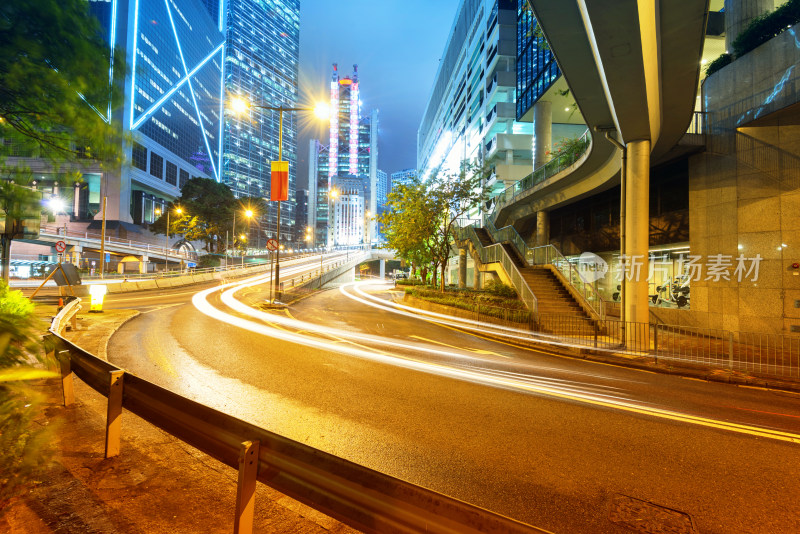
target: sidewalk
156 484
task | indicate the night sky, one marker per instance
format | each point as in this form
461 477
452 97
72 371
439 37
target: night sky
396 44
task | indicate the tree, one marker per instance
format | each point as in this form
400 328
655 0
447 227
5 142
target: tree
452 197
207 213
408 224
54 79
54 74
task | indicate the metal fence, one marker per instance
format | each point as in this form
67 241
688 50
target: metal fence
755 353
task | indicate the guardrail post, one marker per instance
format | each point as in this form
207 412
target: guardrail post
114 413
596 328
655 340
66 377
246 488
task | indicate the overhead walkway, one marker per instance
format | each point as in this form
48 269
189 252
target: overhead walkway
631 69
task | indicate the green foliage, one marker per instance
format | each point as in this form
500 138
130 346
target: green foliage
54 66
209 260
767 26
409 282
23 449
496 287
569 150
717 64
759 31
476 301
207 213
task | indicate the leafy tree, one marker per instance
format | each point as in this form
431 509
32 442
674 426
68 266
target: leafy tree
54 75
408 224
422 216
452 197
23 447
207 213
54 67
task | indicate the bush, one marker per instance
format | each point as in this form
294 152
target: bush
721 61
209 260
23 444
409 282
767 26
496 287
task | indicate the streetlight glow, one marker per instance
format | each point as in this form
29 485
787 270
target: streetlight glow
239 105
322 110
56 204
248 213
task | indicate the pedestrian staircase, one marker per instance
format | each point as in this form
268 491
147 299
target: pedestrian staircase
557 303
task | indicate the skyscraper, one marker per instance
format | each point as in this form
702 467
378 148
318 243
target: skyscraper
261 65
172 105
348 163
402 177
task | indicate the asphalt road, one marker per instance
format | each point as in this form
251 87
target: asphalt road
563 444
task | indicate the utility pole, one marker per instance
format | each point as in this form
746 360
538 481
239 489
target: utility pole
103 241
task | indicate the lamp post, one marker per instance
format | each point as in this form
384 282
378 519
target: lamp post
240 105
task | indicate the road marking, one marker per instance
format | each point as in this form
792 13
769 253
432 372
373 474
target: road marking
159 308
692 378
477 351
544 390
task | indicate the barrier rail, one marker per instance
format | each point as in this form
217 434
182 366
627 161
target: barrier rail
356 495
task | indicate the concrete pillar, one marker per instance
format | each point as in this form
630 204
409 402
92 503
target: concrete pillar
637 232
542 132
542 228
739 14
462 268
382 274
476 273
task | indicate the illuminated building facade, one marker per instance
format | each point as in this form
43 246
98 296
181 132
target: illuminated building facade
349 162
402 177
471 113
173 101
261 66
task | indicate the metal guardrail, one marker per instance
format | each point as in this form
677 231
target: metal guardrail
548 255
363 498
497 254
758 354
69 312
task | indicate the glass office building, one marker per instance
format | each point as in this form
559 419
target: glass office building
537 69
261 65
173 102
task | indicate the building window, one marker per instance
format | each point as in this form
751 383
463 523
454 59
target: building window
172 173
156 165
184 178
139 157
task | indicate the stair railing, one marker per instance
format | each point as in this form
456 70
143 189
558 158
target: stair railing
546 255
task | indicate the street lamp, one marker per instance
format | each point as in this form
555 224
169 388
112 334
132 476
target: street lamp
240 106
166 239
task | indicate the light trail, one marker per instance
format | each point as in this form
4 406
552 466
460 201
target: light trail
553 388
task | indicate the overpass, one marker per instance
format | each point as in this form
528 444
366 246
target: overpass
633 67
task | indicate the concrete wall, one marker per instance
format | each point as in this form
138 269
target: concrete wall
744 191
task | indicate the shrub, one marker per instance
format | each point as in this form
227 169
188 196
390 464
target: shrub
496 287
767 26
717 64
209 260
22 443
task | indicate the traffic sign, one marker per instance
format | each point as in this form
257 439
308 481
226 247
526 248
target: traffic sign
61 246
272 244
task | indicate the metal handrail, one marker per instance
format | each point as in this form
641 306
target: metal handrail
508 234
587 292
363 498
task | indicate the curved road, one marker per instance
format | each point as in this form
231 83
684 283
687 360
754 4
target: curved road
560 443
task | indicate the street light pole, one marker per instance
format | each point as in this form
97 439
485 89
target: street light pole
166 246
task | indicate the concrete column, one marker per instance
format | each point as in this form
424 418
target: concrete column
637 231
739 14
542 132
476 273
462 268
542 228
382 264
